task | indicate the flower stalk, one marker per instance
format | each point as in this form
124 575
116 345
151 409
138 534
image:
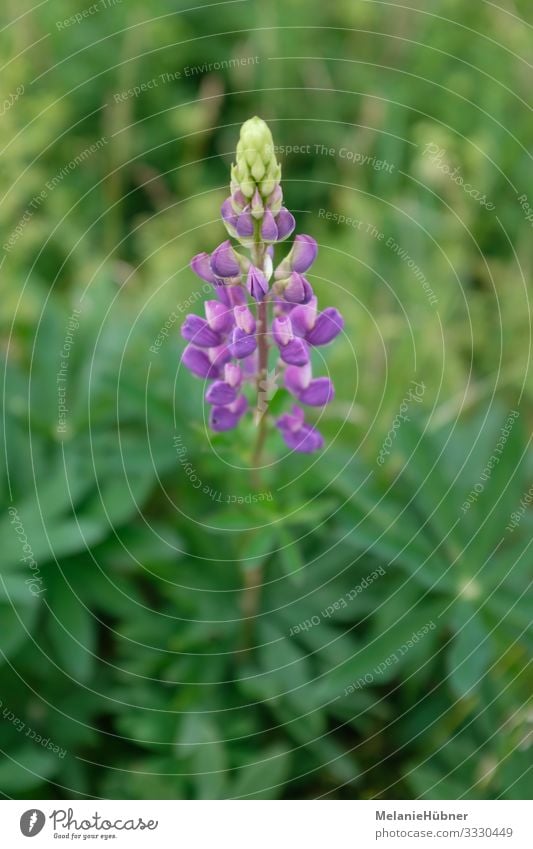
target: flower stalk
230 347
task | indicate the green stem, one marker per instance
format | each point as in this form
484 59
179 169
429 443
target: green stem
253 577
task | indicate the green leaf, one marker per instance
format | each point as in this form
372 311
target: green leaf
264 777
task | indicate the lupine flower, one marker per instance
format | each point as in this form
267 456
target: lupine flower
249 319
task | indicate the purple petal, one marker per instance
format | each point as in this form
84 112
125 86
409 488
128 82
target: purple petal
245 225
256 205
239 406
269 231
293 420
328 325
221 418
233 374
228 213
295 353
224 261
242 344
319 392
282 330
303 317
201 265
219 317
244 319
236 295
222 293
256 283
275 199
227 417
249 365
307 440
294 289
219 356
308 290
297 378
303 253
285 223
198 362
196 329
220 393
238 201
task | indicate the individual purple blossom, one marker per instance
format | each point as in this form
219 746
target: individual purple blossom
221 393
298 435
247 319
256 283
327 326
227 417
300 257
244 319
242 344
197 330
225 261
199 363
218 316
315 393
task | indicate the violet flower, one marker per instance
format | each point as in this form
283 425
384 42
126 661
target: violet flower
248 319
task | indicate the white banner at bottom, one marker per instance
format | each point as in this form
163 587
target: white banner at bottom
262 824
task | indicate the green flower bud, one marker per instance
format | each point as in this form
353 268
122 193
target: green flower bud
256 166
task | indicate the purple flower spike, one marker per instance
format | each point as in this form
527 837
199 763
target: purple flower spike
224 261
201 265
285 223
303 253
219 317
242 344
269 231
196 329
327 326
303 317
220 394
256 283
319 392
244 319
199 363
226 346
295 353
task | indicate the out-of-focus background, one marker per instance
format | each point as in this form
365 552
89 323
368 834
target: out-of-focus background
392 640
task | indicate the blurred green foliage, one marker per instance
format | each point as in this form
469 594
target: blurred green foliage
132 658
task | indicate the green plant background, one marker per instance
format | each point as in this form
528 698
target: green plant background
131 660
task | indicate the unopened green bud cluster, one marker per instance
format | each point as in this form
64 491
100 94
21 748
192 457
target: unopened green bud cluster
256 165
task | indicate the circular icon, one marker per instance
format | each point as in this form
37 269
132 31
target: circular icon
32 822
